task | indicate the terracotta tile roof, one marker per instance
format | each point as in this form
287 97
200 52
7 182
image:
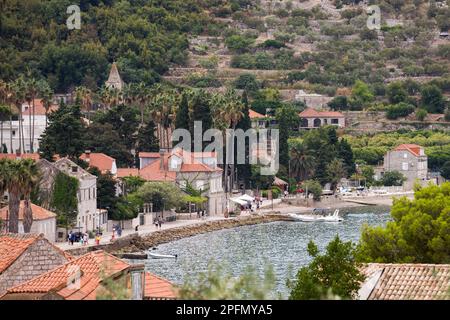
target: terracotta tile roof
12 246
154 172
413 148
408 281
312 113
149 155
158 288
92 268
14 156
100 160
39 109
127 172
255 115
39 213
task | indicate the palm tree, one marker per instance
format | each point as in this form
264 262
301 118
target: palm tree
18 98
46 94
31 175
4 115
85 96
228 111
105 97
18 177
163 112
302 163
30 96
8 94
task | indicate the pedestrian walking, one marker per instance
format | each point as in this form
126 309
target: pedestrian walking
97 239
85 239
160 223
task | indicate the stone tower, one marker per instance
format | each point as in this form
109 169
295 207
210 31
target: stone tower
114 80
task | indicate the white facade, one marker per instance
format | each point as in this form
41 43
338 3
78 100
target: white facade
88 217
39 127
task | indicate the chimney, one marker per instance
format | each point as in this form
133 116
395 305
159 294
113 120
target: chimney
137 275
88 155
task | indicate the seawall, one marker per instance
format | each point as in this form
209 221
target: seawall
136 243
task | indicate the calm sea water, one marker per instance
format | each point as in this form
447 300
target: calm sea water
280 244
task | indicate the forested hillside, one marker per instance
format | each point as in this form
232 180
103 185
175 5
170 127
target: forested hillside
143 36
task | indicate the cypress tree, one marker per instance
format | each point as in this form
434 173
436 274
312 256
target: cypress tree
182 118
346 154
146 138
244 170
201 112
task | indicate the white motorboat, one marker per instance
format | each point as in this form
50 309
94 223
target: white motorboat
154 255
312 218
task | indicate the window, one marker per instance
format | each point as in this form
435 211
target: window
334 121
74 169
405 155
405 166
14 132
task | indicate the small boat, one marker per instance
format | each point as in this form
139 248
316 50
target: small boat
154 255
312 218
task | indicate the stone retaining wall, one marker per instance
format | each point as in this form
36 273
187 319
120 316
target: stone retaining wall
136 243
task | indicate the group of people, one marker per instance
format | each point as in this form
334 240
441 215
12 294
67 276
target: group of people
158 222
81 237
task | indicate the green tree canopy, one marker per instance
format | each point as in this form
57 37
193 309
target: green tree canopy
332 274
163 195
419 232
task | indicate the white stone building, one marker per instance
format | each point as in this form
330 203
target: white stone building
40 121
88 217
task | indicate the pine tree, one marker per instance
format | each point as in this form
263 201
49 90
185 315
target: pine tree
65 134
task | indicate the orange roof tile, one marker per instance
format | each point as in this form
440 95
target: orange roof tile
39 213
312 113
158 288
14 156
38 108
255 115
413 148
12 246
149 155
409 281
90 269
100 160
127 172
153 172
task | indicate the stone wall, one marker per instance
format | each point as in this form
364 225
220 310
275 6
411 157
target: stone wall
135 243
38 258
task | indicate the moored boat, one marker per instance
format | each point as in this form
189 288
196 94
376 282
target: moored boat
154 255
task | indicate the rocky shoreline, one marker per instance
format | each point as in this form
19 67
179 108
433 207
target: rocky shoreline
136 243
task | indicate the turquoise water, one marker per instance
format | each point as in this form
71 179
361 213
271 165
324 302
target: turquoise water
280 244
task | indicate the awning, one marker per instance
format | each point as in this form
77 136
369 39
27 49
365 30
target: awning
239 201
246 197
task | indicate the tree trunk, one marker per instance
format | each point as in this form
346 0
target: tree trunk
1 138
14 203
28 216
10 131
29 126
32 135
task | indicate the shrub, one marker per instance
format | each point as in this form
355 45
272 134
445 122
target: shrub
313 187
421 114
399 110
393 178
248 82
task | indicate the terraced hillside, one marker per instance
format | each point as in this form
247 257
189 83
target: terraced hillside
319 46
